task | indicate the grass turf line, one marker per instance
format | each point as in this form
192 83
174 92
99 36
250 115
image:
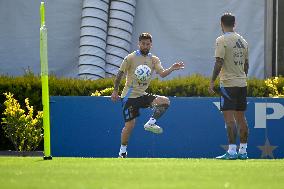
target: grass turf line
109 173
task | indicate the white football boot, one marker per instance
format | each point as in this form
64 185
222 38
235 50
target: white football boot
152 127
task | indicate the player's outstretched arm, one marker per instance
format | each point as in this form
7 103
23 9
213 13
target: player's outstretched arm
114 95
175 66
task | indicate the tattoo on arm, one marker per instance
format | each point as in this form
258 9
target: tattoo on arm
246 67
118 79
159 110
217 68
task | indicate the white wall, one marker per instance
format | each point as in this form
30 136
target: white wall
186 30
19 36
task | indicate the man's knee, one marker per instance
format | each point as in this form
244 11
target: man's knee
167 101
162 100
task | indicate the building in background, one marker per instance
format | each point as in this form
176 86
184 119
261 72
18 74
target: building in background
184 30
279 20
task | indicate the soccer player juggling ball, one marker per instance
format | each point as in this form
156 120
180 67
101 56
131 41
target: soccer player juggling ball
232 65
134 96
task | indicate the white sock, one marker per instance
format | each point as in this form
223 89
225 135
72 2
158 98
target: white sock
152 120
122 149
232 149
243 148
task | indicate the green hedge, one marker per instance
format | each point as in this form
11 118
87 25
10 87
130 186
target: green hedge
29 86
195 85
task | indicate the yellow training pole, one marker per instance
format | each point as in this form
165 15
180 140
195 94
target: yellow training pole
44 83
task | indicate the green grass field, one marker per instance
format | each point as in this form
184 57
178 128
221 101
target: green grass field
107 173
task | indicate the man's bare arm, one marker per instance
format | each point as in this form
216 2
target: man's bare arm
114 95
175 66
118 79
217 68
246 66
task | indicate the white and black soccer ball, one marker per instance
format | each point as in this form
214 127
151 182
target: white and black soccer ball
143 73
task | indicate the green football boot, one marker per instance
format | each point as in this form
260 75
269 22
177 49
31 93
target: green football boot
228 156
243 156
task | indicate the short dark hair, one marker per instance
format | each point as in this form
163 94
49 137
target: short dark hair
228 19
145 36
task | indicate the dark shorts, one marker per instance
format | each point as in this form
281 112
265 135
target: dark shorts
233 98
132 106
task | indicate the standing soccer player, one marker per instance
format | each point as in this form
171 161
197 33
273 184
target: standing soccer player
134 96
231 55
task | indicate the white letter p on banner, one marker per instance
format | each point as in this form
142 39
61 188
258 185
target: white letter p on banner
261 116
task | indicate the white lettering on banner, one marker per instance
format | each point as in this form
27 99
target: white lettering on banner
260 113
261 116
217 104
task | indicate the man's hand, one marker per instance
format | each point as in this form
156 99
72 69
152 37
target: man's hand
114 96
211 87
177 66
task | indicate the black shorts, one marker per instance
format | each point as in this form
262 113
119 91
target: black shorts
132 106
233 98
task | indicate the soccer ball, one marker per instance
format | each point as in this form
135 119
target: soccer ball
143 73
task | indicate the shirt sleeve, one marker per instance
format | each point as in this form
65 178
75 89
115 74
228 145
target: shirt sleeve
157 65
124 65
219 48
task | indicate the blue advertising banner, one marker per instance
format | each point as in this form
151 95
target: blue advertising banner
193 128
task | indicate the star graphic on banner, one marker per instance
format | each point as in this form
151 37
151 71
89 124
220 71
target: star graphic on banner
267 149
